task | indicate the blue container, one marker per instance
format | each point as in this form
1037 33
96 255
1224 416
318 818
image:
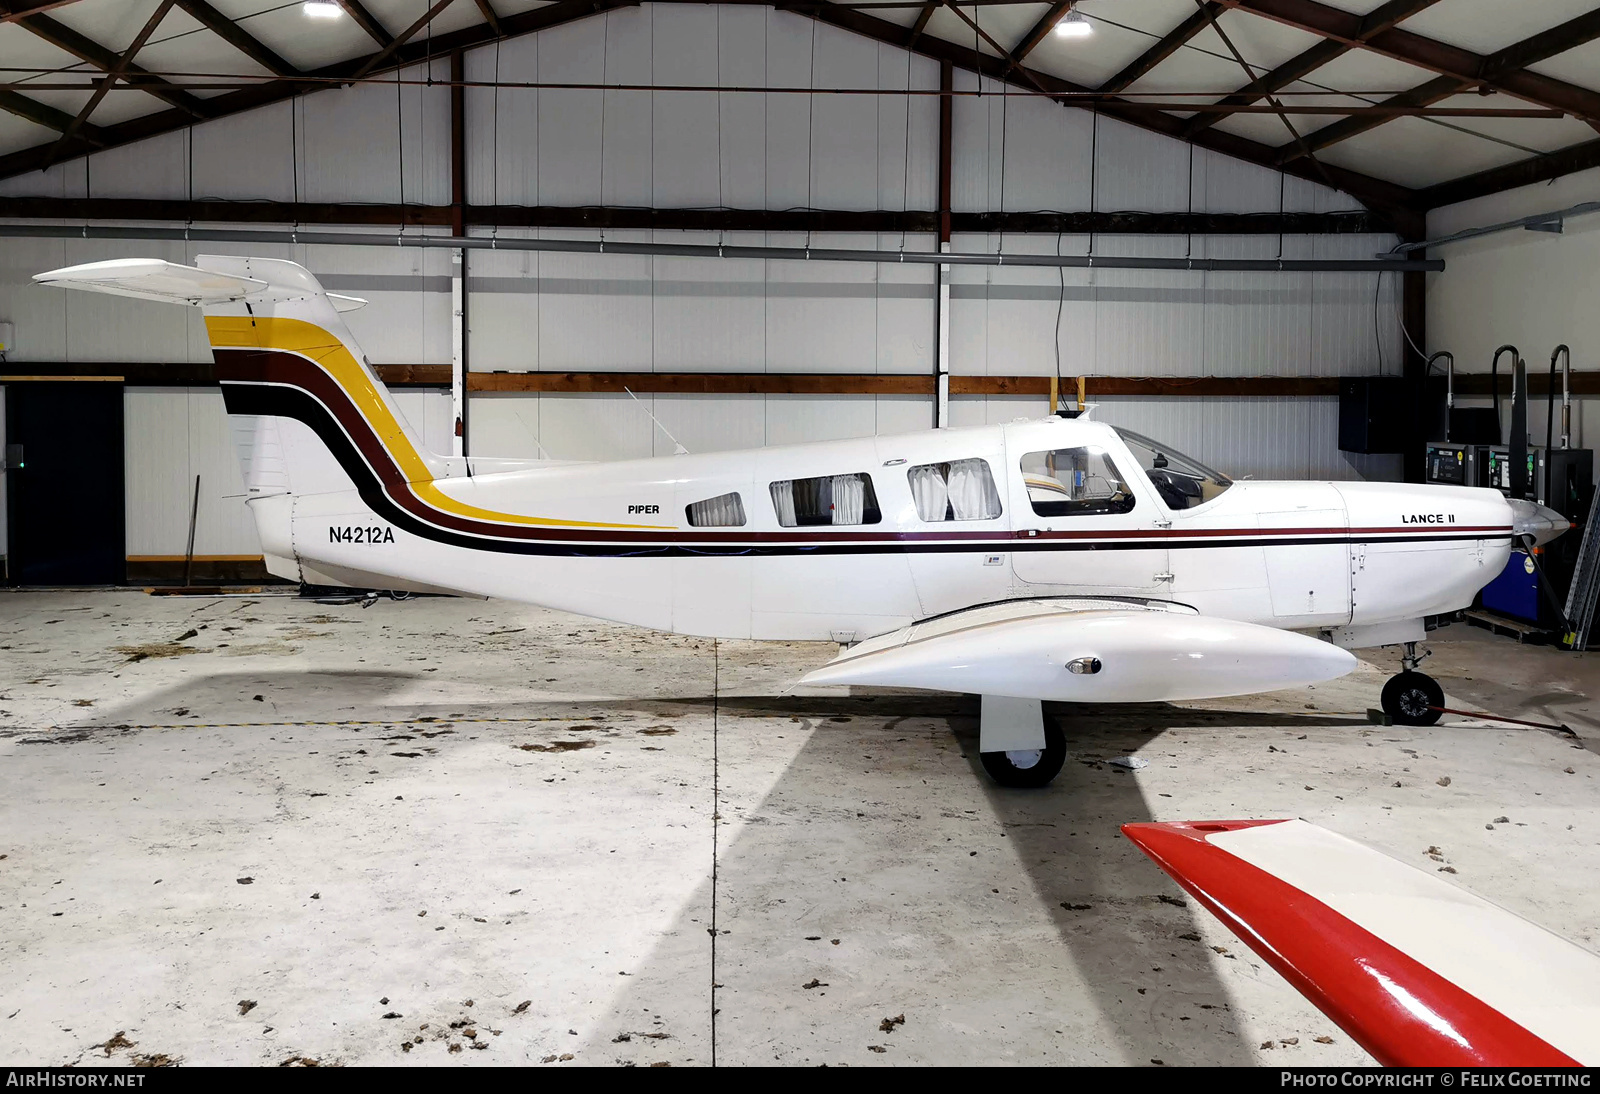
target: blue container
1515 592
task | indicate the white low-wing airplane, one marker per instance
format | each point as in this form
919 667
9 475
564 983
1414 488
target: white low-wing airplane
1060 559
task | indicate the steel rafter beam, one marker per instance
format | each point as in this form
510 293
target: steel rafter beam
150 125
1302 65
365 20
1043 27
405 36
1164 47
1543 168
91 52
48 116
1389 197
1499 69
13 10
237 37
116 73
487 11
1392 199
922 22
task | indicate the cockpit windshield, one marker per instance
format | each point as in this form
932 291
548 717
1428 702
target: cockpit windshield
1182 483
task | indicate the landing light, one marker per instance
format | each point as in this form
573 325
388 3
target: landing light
1074 25
321 9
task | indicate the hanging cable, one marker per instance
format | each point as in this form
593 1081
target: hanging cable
494 144
811 109
605 58
1061 306
905 177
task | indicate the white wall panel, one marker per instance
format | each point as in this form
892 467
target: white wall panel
170 436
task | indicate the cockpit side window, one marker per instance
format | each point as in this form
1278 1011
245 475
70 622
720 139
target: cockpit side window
1183 483
1075 481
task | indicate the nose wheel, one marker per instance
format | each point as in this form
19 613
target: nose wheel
1410 697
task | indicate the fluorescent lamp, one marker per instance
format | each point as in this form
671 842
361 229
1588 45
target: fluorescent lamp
321 9
1074 25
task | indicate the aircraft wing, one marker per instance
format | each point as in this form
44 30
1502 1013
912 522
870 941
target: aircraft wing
1088 650
1418 972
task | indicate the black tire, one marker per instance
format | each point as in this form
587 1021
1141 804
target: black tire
1409 696
1007 768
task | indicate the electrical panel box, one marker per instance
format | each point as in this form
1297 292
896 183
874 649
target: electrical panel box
1452 464
8 337
1374 414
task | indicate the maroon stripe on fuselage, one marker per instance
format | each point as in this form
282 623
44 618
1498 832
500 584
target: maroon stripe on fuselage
293 370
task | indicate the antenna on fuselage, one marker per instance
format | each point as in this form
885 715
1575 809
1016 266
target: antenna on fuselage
677 448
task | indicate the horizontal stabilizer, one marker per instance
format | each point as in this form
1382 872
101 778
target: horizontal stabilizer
1419 972
154 279
1088 650
345 303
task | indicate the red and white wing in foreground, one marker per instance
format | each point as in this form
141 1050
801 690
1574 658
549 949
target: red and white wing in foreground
1418 972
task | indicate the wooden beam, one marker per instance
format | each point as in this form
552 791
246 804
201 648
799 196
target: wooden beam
1308 61
237 37
1164 47
779 383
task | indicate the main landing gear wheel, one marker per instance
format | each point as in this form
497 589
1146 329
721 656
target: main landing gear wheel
1409 697
1031 767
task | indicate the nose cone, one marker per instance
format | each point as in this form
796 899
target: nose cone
1532 519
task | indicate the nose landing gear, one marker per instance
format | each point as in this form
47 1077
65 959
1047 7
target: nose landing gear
1411 697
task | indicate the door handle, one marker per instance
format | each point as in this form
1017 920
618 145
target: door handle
1164 577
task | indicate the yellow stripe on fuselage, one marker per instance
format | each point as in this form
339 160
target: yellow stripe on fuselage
313 342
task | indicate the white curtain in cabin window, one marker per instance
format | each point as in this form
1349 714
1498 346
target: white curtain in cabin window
849 499
972 491
928 490
722 511
783 502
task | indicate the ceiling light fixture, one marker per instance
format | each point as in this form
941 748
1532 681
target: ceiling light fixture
321 9
1074 25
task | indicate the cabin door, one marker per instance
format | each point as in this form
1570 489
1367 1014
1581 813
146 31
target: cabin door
1084 525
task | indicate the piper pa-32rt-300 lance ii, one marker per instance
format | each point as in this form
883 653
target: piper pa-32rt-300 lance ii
1060 560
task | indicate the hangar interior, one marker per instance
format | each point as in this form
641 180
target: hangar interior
1253 194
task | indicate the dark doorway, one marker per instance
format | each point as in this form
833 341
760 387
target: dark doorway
64 482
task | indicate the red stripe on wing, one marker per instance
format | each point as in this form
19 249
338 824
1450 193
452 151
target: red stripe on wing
1396 1008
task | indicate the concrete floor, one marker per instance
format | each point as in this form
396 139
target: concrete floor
258 830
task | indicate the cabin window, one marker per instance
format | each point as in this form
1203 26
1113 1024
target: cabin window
958 490
1183 483
722 511
828 499
1072 481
